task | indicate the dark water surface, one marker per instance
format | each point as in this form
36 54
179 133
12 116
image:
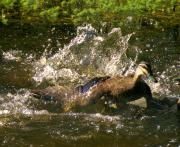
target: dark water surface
34 57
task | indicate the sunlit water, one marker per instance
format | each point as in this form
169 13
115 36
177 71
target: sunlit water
25 121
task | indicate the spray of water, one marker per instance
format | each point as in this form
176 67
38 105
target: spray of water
12 55
87 55
86 52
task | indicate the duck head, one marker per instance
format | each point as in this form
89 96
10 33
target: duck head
144 70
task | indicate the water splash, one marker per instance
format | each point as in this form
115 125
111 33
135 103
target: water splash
18 103
167 85
12 55
87 52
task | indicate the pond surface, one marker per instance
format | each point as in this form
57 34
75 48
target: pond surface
36 57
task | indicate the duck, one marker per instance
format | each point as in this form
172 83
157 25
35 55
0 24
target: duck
119 90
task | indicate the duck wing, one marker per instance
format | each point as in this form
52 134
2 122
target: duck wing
85 88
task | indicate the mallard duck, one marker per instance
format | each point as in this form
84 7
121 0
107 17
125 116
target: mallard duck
119 89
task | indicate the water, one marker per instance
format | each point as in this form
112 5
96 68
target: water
66 56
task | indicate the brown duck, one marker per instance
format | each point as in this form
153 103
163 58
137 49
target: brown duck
118 89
